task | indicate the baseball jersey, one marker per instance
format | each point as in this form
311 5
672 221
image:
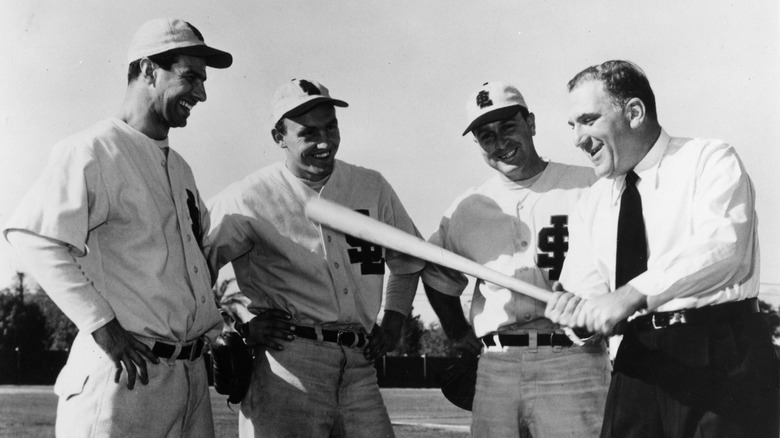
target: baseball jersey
702 238
516 229
283 260
132 217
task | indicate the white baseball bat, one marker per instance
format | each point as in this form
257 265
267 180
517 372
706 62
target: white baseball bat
350 222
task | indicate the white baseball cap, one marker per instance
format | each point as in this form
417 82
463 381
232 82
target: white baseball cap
298 96
493 101
161 35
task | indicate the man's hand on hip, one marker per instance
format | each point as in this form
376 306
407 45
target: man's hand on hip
125 350
268 328
468 344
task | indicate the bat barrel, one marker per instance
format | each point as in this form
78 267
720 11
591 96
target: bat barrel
347 221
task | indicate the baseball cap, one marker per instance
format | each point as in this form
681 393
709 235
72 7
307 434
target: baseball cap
161 35
298 96
493 101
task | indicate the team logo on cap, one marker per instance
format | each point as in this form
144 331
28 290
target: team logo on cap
309 88
483 99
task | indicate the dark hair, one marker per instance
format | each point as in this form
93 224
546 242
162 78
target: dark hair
524 112
281 127
623 80
165 60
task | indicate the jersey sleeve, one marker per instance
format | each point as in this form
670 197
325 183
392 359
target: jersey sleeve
53 266
393 213
229 234
67 201
444 280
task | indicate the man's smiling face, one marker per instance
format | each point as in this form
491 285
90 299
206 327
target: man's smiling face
179 89
508 146
311 142
602 130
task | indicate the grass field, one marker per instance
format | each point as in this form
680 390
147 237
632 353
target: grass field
28 412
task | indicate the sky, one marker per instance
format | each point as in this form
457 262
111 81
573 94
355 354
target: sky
406 68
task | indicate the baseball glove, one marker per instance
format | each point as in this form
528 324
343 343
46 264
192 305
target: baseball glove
458 381
232 366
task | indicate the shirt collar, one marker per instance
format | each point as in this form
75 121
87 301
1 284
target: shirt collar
646 169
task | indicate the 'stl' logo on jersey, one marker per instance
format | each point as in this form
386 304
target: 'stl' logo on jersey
367 254
554 242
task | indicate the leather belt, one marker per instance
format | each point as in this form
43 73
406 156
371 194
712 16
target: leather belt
702 316
522 340
342 337
188 352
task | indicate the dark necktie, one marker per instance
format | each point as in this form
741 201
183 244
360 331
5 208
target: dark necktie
631 257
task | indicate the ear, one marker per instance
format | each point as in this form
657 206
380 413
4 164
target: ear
531 120
635 112
147 70
278 138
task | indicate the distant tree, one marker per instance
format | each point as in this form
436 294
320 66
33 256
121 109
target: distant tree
411 334
22 324
60 330
772 318
435 343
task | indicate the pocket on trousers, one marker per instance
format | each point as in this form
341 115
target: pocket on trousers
70 382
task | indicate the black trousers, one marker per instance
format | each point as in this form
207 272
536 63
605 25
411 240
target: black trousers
718 380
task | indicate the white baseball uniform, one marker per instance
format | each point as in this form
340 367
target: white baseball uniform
131 217
520 229
324 279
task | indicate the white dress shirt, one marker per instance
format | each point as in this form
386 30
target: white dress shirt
698 208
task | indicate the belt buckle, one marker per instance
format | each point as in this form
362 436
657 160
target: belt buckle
551 339
655 326
196 348
677 318
345 332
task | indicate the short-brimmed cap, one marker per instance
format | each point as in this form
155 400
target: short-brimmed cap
163 35
298 96
493 101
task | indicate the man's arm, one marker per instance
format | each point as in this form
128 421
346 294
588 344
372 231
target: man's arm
227 238
450 313
400 292
722 249
57 271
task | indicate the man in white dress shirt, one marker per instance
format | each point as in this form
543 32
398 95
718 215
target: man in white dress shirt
666 239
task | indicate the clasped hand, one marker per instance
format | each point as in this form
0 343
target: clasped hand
599 314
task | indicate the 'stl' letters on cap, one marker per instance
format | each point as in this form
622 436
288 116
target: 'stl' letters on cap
483 99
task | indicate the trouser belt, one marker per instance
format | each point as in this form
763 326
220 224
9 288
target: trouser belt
346 338
707 315
189 352
523 340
